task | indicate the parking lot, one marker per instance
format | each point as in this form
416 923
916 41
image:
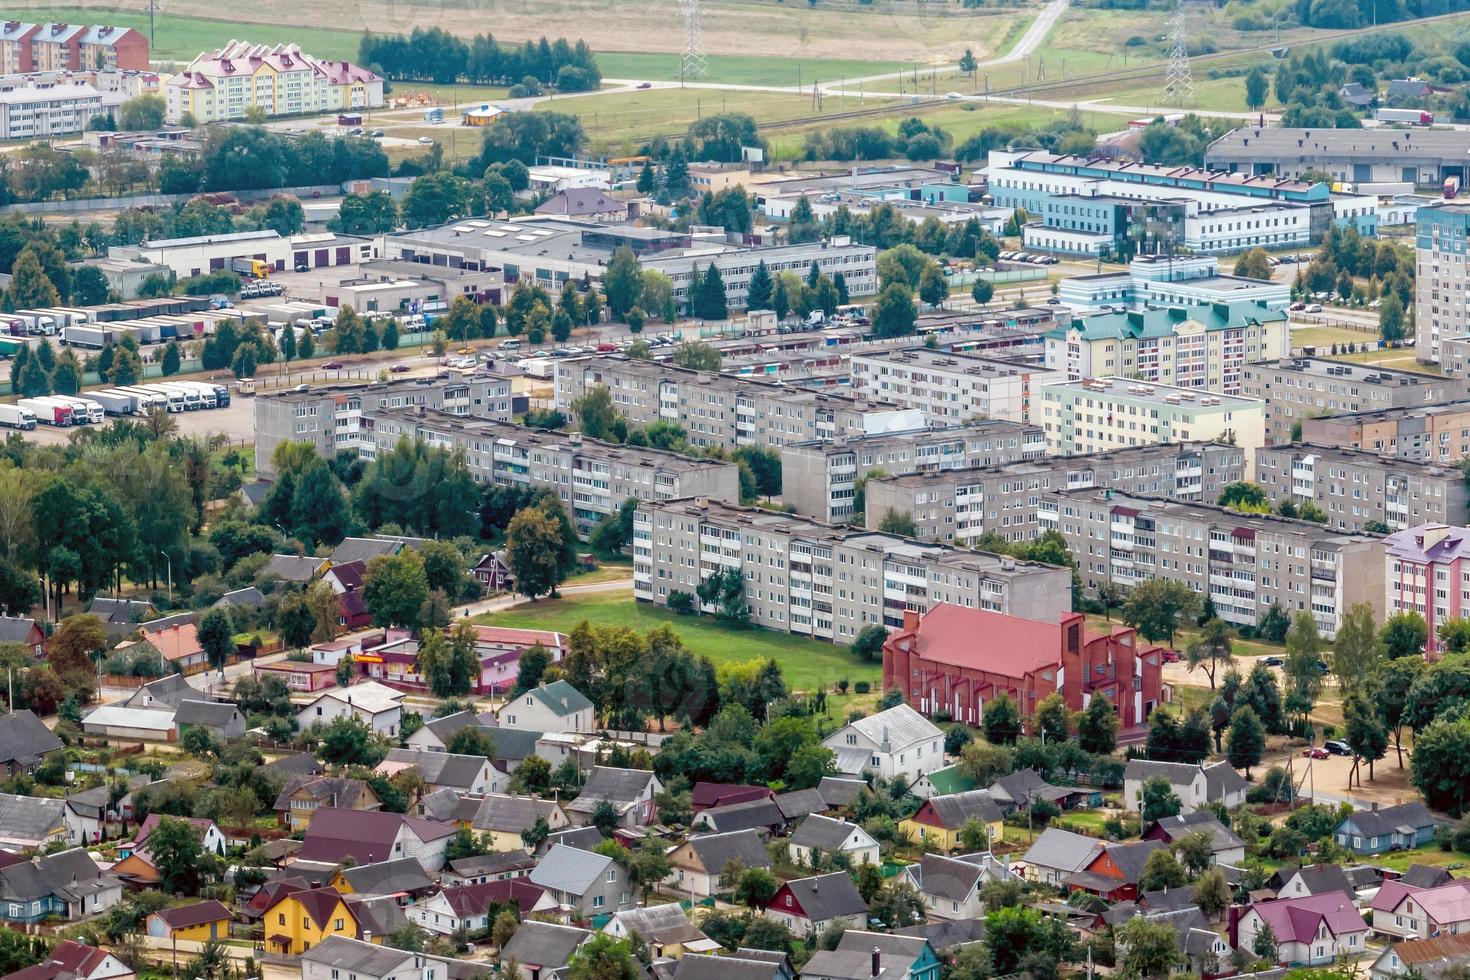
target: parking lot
237 421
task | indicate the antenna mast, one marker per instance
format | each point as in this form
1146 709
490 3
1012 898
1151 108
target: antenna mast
1179 82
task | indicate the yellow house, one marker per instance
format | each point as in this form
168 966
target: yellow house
298 920
503 818
303 793
201 922
941 817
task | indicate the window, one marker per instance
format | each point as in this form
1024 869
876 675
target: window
280 918
339 925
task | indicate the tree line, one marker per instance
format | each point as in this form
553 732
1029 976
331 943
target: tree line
435 55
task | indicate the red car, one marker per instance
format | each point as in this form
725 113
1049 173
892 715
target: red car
1316 752
1172 656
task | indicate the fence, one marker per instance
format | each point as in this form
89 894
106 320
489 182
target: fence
83 204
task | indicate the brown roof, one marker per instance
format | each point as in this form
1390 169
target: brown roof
1416 951
319 903
194 915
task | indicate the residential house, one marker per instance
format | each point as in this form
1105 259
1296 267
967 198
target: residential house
377 706
707 795
941 818
667 929
1197 787
368 836
86 814
445 770
807 906
630 791
304 793
743 964
554 707
1309 931
25 631
946 936
1020 789
211 838
67 885
543 949
199 922
800 803
1057 854
120 617
505 818
1381 913
72 960
763 814
493 573
346 582
950 886
403 879
1393 828
1225 846
899 741
1439 911
116 723
585 838
178 644
249 598
468 908
943 782
294 569
169 691
1206 952
435 734
841 792
31 822
1425 876
497 866
898 958
1312 879
820 836
342 956
583 880
220 718
24 742
360 551
299 676
1114 872
300 919
699 861
1427 958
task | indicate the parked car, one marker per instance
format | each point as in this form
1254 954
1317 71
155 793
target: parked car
645 85
302 267
398 368
1316 752
426 141
1336 747
1273 661
1297 307
1172 656
332 366
1313 308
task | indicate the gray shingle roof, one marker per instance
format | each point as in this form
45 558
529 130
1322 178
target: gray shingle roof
450 725
583 838
901 724
510 814
946 878
363 549
1425 876
67 872
246 598
291 568
1222 838
1131 857
356 956
388 877
172 690
840 792
829 896
24 739
947 935
441 768
1382 823
615 785
1221 778
823 833
30 818
569 869
1317 879
698 966
15 629
1061 850
543 944
513 744
489 864
561 698
957 808
742 816
801 802
717 850
211 714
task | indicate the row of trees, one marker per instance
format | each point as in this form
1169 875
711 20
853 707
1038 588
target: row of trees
435 55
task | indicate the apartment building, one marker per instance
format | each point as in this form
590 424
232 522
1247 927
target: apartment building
1171 280
820 478
1355 487
104 48
15 46
40 111
1245 563
56 47
1298 388
278 80
806 577
592 477
1098 414
1441 288
1428 557
950 388
720 410
333 417
1431 432
961 505
1189 346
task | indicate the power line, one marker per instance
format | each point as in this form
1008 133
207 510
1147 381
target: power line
1179 82
692 63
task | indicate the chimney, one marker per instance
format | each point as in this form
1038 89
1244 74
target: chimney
875 962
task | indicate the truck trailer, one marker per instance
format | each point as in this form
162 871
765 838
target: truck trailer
15 417
115 402
83 410
48 410
88 337
192 401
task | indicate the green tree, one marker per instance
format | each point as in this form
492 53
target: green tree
394 588
533 544
894 315
1162 870
1454 635
1403 635
347 741
697 356
933 289
1246 742
1391 318
295 620
1157 608
868 645
1151 948
172 358
1213 650
1365 733
1159 800
896 522
982 291
1001 721
216 637
1097 726
1395 683
1256 87
595 413
622 282
1212 893
1053 718
603 958
1356 652
30 287
1244 496
175 848
1254 264
755 888
1302 669
758 292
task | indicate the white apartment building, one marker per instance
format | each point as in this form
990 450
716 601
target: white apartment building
279 80
30 112
951 388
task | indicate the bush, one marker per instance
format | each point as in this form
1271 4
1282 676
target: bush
681 602
862 687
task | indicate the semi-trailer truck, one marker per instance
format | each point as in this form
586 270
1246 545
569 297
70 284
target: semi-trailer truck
209 394
115 402
148 400
48 410
37 324
253 268
192 401
83 410
1414 117
88 336
173 401
15 417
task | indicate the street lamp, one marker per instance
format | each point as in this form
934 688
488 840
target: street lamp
170 576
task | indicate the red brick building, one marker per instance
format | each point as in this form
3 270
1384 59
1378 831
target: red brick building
953 659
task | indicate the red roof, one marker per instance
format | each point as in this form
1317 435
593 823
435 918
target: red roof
472 900
150 823
69 956
989 641
708 795
194 915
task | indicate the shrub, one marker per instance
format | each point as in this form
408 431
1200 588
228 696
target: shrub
862 687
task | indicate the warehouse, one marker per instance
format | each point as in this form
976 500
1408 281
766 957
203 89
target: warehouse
1423 157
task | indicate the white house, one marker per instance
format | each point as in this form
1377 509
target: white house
824 836
1197 787
339 956
467 907
1442 911
375 705
1309 931
554 707
899 741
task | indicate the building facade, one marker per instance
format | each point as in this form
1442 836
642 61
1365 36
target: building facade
1244 563
336 417
1385 154
806 577
1098 414
1170 280
950 388
1441 288
1428 572
961 505
1185 346
1356 488
1298 388
277 80
30 112
1439 433
820 478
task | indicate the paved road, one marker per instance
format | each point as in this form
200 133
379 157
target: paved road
1034 35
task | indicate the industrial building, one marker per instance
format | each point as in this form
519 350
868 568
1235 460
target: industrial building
1422 157
1355 487
951 387
1098 414
210 253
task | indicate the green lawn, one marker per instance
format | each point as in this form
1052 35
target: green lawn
741 69
181 38
808 664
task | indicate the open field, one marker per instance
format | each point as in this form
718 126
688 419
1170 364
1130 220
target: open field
1327 336
808 664
745 69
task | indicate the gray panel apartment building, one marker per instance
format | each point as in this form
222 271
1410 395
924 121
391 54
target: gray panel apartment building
593 478
723 411
1355 486
330 417
819 478
961 505
803 576
1439 433
1245 563
952 388
1299 388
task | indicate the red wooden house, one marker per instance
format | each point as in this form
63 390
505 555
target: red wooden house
1114 872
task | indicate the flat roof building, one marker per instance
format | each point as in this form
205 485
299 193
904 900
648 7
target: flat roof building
1440 433
1380 154
948 387
1441 306
815 579
1297 388
1356 488
1170 280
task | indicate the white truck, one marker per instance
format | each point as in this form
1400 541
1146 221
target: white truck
116 402
37 324
48 410
208 396
192 400
15 417
83 410
156 399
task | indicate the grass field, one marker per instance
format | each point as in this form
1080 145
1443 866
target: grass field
808 664
1327 336
181 38
744 69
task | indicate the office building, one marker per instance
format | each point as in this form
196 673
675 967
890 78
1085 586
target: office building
1431 559
1298 388
1441 288
1095 415
1383 154
550 251
950 388
819 478
811 578
960 505
31 112
1170 280
1355 487
333 417
717 410
592 477
1439 433
1186 346
1244 563
277 80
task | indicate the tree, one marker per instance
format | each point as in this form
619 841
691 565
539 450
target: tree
1365 732
1256 87
1152 948
1244 496
1263 696
1097 726
1454 635
1158 607
394 588
172 358
697 356
933 289
1356 652
176 850
534 543
1247 740
1395 682
30 287
1302 668
1254 264
216 637
1162 870
1214 649
1403 635
141 112
595 413
982 291
758 292
1053 718
1264 944
1158 800
73 645
622 282
295 621
896 522
985 763
1001 721
347 741
1391 318
1212 893
707 300
898 905
868 646
894 315
756 887
603 958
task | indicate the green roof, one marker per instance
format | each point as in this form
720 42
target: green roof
950 780
1162 321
